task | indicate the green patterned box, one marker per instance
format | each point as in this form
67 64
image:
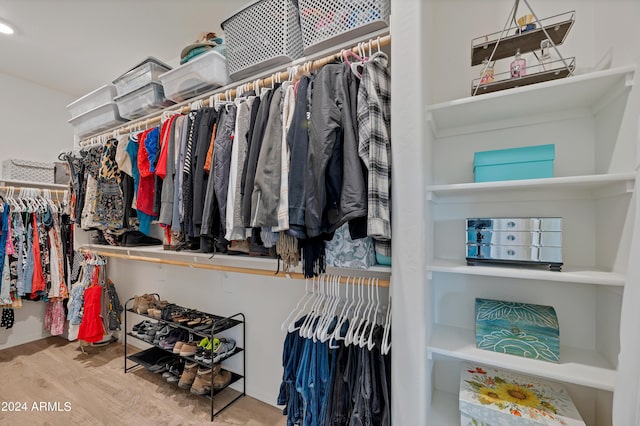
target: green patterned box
521 329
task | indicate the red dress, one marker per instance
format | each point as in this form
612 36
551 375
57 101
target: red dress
91 328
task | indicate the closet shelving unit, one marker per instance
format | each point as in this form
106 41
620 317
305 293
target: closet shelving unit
587 118
241 264
155 352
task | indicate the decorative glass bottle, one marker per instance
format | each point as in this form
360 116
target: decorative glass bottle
518 66
486 76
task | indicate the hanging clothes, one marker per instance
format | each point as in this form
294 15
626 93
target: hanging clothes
92 328
110 207
374 147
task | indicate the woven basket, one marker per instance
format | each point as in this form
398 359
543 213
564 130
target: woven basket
26 170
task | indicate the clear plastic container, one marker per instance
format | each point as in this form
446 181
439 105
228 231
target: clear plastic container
142 74
143 101
96 120
201 74
100 96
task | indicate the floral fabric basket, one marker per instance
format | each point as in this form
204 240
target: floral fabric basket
489 396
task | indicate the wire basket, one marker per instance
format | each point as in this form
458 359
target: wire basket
25 170
264 34
326 23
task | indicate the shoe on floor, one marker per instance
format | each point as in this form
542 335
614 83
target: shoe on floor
188 375
202 383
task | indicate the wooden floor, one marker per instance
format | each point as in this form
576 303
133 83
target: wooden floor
99 393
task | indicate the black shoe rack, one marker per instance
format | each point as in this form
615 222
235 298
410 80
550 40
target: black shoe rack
148 358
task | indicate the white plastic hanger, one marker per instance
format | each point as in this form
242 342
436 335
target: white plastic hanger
353 320
370 342
291 327
294 313
386 336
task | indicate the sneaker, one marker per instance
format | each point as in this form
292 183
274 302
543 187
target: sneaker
174 337
222 379
176 366
224 349
138 326
161 334
175 371
200 349
152 330
188 375
207 358
202 383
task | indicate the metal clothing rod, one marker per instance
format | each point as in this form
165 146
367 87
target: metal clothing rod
253 271
229 94
42 190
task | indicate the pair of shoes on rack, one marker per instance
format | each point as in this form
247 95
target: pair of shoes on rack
141 304
176 367
205 347
185 348
137 238
174 336
162 333
225 348
155 308
202 381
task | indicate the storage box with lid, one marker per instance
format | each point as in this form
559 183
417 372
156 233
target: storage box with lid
141 75
264 34
201 74
530 162
327 23
520 329
96 120
26 170
99 97
143 101
495 397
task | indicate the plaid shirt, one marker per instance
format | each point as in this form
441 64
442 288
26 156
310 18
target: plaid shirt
374 134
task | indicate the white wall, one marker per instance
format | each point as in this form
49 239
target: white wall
33 119
34 126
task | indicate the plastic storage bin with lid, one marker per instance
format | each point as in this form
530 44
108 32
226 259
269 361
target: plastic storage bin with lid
99 97
201 74
96 120
142 101
141 75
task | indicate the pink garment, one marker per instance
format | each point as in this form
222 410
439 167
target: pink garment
54 318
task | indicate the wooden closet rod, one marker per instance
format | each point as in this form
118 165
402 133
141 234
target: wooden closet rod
229 94
237 269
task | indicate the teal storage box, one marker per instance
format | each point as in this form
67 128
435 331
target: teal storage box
522 329
529 162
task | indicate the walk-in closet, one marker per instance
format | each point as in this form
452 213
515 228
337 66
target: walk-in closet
319 212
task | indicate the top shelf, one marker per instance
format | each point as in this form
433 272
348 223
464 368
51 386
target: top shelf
527 41
511 107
